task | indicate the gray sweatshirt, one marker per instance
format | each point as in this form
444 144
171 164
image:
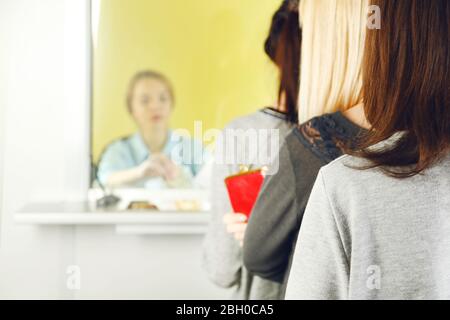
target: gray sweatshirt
369 236
276 218
222 254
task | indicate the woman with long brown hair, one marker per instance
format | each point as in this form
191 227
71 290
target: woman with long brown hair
377 225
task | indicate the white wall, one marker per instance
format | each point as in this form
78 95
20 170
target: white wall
2 99
31 263
45 135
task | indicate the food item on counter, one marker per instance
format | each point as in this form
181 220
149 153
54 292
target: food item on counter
142 205
188 205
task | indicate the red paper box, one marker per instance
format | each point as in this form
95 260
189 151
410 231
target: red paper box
243 190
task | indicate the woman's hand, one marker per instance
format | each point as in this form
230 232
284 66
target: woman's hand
236 225
159 165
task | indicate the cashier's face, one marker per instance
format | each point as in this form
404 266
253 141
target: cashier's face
151 105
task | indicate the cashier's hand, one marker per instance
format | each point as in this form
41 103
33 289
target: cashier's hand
236 225
159 165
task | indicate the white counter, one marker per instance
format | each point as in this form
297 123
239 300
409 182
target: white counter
126 222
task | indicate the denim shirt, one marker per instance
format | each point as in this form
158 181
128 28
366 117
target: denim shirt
130 152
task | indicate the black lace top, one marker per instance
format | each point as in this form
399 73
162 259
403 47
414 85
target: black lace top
327 136
276 218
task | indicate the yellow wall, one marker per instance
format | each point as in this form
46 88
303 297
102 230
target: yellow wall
212 51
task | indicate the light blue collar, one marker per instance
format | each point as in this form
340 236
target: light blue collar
140 149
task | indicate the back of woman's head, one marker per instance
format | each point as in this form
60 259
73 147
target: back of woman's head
407 84
283 47
333 35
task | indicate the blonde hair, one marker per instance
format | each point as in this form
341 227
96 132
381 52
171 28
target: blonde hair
332 53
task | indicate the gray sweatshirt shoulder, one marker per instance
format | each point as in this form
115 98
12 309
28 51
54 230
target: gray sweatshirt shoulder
394 233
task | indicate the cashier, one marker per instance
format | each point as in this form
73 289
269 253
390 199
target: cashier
154 157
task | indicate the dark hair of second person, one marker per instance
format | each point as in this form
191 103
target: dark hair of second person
283 46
